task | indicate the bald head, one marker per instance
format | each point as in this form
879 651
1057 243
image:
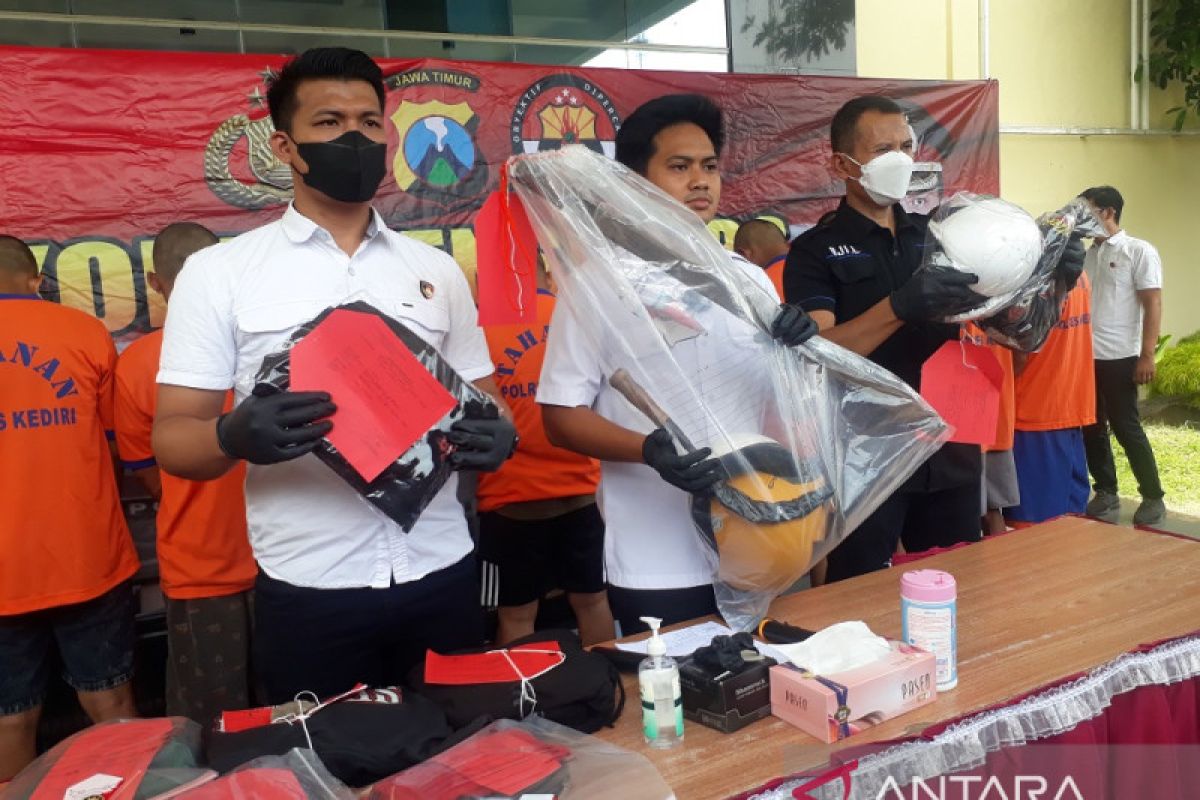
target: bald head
172 247
760 241
18 267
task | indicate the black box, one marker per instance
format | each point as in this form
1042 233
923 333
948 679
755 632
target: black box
730 703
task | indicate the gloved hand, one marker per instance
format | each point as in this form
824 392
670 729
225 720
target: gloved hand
792 326
1070 263
482 444
693 472
271 426
935 293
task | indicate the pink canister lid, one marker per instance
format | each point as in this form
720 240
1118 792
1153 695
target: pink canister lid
928 585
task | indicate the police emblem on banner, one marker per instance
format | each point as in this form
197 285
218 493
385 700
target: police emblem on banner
270 181
562 109
438 162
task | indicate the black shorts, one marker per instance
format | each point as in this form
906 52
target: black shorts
533 556
95 639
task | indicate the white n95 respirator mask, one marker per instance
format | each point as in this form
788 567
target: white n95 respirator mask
886 177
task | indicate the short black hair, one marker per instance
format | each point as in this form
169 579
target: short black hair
758 231
175 243
842 129
1105 197
16 258
635 139
330 63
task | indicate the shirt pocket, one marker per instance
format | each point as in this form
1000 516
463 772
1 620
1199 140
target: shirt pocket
262 330
426 319
853 269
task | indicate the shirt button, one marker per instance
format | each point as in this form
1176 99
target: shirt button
352 272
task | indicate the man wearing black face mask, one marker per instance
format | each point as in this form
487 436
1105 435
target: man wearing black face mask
343 595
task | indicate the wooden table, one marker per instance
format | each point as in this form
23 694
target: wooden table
1034 606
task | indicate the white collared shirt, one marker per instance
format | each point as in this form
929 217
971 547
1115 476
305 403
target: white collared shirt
650 539
1120 267
237 301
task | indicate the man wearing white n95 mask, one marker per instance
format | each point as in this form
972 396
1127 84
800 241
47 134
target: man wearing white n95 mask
854 273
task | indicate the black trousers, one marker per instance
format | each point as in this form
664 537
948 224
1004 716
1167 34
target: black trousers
922 520
1116 406
327 640
670 605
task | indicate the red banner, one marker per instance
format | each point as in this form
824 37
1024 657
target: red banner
105 148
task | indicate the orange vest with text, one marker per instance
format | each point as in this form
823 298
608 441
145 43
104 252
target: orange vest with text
63 537
538 470
1057 388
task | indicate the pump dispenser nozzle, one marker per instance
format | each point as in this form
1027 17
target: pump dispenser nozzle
656 646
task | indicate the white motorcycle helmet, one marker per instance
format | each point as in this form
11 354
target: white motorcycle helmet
993 239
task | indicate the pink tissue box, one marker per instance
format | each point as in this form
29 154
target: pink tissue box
832 707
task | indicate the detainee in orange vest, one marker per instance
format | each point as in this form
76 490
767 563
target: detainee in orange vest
66 555
205 565
1056 398
1000 487
764 243
538 522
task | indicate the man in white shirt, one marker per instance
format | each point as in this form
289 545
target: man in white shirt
653 557
1126 276
343 594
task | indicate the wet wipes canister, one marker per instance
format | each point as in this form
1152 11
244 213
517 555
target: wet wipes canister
929 615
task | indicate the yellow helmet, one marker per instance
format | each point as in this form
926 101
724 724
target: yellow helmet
766 517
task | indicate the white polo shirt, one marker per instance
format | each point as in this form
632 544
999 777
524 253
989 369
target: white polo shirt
1120 267
237 301
650 539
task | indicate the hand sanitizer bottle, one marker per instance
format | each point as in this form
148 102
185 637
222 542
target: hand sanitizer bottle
662 702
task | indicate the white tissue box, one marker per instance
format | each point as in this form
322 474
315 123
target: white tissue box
834 706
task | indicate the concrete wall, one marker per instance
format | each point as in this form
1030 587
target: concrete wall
1060 64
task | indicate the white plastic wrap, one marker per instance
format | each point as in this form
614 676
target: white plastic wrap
530 758
812 438
1015 257
129 759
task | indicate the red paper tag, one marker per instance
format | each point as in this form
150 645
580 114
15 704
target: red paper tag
386 399
244 720
962 382
491 667
506 262
505 762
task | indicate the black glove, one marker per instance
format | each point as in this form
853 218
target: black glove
693 472
271 426
727 654
482 444
1070 263
792 326
934 293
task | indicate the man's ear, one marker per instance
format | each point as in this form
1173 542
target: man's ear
840 166
284 149
35 283
154 282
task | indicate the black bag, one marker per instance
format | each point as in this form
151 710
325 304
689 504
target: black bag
409 484
359 742
584 692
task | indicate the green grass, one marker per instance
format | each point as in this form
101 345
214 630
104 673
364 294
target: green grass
1177 450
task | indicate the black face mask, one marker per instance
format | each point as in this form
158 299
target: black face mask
348 168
